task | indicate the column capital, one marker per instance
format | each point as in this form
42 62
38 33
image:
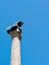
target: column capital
15 30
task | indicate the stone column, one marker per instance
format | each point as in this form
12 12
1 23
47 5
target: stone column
15 33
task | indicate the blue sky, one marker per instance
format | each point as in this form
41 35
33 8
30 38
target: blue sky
35 42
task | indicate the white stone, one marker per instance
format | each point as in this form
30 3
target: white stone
15 52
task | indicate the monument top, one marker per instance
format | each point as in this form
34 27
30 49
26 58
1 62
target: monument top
15 30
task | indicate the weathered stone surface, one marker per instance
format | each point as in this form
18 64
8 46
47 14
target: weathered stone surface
15 52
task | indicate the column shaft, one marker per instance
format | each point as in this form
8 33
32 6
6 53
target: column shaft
15 52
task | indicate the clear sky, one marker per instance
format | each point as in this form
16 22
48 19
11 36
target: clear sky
35 42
